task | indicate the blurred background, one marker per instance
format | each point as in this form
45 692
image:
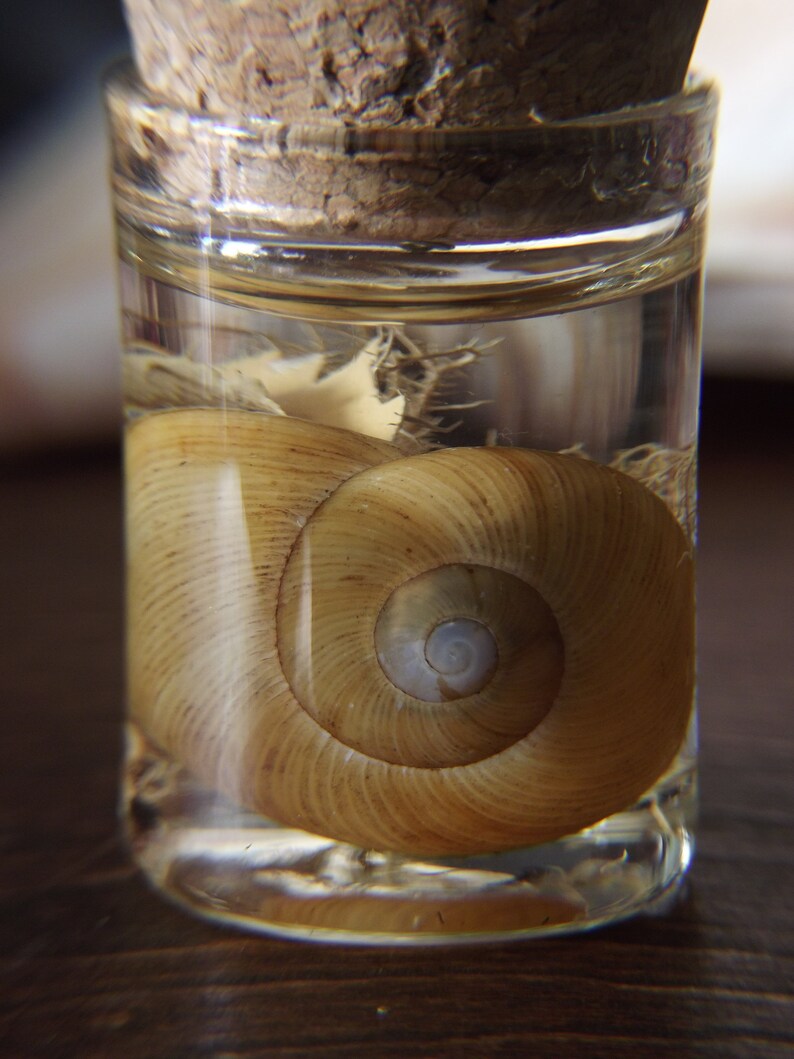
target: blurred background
58 315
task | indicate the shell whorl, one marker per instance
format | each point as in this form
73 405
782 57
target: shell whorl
299 594
457 657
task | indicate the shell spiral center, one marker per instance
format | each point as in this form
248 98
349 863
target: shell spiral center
457 658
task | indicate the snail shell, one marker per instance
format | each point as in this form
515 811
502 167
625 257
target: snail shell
465 650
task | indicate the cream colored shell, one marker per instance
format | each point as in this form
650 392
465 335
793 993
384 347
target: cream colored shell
265 382
263 551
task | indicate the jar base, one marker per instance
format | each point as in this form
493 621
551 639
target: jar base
248 872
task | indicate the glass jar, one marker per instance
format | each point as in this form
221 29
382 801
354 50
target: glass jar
411 424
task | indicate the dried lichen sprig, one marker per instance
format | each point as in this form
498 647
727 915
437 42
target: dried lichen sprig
669 473
423 376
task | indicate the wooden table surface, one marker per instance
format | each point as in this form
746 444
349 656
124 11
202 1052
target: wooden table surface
96 965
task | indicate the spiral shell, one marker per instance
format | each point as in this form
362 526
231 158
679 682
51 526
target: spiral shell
465 650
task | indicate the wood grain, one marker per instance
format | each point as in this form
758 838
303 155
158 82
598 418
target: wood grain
94 965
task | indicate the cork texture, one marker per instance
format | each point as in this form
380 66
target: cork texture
425 63
320 93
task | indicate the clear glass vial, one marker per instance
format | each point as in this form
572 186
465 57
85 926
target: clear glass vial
411 425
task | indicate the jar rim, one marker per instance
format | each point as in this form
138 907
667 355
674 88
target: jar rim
446 186
698 98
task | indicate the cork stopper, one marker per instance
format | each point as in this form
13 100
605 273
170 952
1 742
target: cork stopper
400 120
415 63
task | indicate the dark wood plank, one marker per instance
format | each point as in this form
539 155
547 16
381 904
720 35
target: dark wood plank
94 964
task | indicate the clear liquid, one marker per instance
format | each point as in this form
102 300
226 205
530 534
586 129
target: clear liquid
611 377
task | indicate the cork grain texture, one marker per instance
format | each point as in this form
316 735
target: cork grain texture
424 63
374 67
